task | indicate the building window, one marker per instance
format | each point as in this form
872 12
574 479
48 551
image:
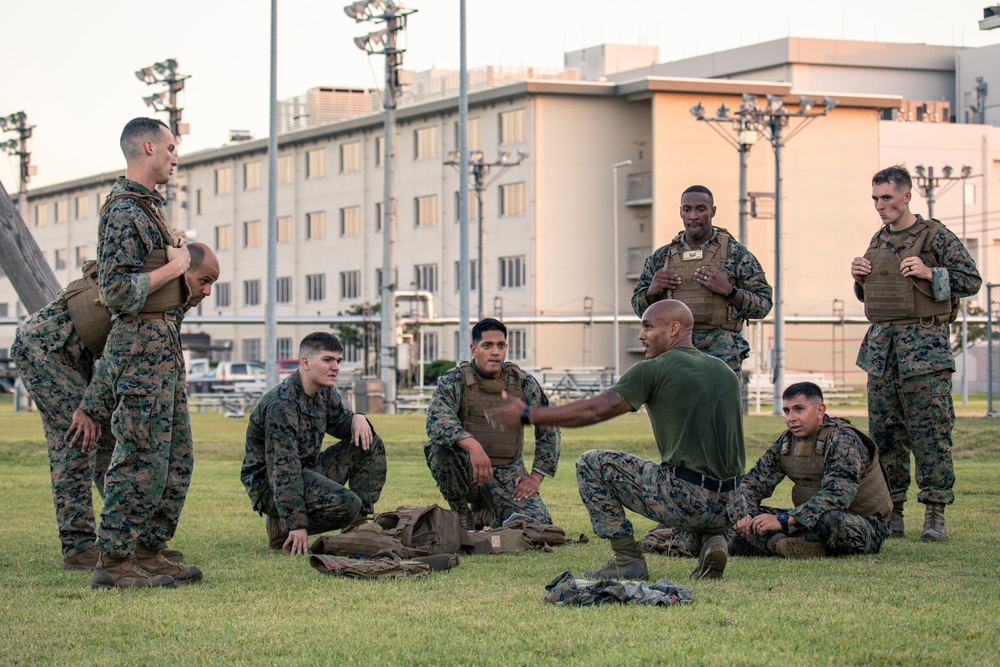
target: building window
197 202
426 210
3 310
285 229
429 346
426 277
352 352
473 274
517 344
222 295
473 134
223 180
286 163
251 349
512 272
316 163
316 287
223 237
350 221
251 176
82 207
350 284
60 258
251 292
379 151
251 234
512 200
315 225
350 157
62 210
425 143
378 279
81 256
284 346
41 215
283 290
512 124
378 216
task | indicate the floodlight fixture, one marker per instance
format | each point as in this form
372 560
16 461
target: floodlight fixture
749 102
356 10
947 171
966 171
698 110
774 103
3 123
476 157
361 42
521 155
453 156
504 157
829 103
723 111
805 103
920 170
10 146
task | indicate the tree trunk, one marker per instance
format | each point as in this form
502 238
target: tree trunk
22 261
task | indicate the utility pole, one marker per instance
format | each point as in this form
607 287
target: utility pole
166 72
464 330
18 122
931 187
384 42
270 305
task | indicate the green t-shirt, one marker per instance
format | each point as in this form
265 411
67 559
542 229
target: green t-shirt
696 409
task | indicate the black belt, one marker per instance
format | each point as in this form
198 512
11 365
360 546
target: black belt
710 483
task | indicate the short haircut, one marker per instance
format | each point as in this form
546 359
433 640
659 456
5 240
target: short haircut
487 324
137 131
807 389
703 190
897 175
197 252
319 341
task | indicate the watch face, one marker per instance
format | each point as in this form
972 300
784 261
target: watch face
782 516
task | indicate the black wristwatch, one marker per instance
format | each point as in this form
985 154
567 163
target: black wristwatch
732 293
526 415
783 520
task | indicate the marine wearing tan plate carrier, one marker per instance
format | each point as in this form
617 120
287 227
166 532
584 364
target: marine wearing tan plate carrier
710 310
480 394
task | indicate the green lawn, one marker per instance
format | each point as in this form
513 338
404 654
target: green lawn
930 604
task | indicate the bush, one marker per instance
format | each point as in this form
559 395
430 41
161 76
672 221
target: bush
436 369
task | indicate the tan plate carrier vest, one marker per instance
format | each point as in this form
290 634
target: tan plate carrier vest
891 297
480 394
82 297
710 310
804 462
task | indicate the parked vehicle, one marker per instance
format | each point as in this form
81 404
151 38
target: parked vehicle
286 367
229 376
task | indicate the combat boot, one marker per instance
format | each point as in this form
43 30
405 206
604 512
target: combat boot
795 549
934 524
896 527
482 517
712 559
465 518
621 567
175 555
739 546
155 563
125 573
84 560
275 535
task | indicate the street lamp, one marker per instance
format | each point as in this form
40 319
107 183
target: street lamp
383 42
18 122
165 72
479 169
614 283
769 121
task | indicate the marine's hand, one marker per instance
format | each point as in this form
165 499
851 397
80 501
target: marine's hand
743 525
860 268
914 267
762 524
663 280
506 417
482 469
297 542
361 432
527 486
82 426
181 256
712 279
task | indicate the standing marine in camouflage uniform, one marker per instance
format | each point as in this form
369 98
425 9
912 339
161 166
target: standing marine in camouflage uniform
713 274
471 462
141 268
300 488
841 496
695 408
54 351
910 280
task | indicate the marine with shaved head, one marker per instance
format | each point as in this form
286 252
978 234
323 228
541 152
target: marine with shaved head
694 405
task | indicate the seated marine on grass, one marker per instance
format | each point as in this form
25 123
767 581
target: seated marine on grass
841 496
298 487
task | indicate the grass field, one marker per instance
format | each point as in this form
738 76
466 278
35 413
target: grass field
913 604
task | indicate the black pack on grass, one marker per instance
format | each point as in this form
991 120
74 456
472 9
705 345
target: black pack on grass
430 529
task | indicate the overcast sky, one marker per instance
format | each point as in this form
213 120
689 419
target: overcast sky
70 65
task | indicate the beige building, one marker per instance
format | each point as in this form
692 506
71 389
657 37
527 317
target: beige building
548 221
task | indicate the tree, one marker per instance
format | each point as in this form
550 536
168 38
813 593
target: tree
977 331
364 336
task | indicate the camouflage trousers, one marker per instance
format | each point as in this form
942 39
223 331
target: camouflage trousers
451 469
841 533
329 504
611 482
56 381
913 415
147 481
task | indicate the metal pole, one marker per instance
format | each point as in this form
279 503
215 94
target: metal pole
779 362
270 313
930 192
989 349
478 175
464 332
388 331
614 282
744 149
965 319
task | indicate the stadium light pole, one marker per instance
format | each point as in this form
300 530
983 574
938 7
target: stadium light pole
160 73
18 122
